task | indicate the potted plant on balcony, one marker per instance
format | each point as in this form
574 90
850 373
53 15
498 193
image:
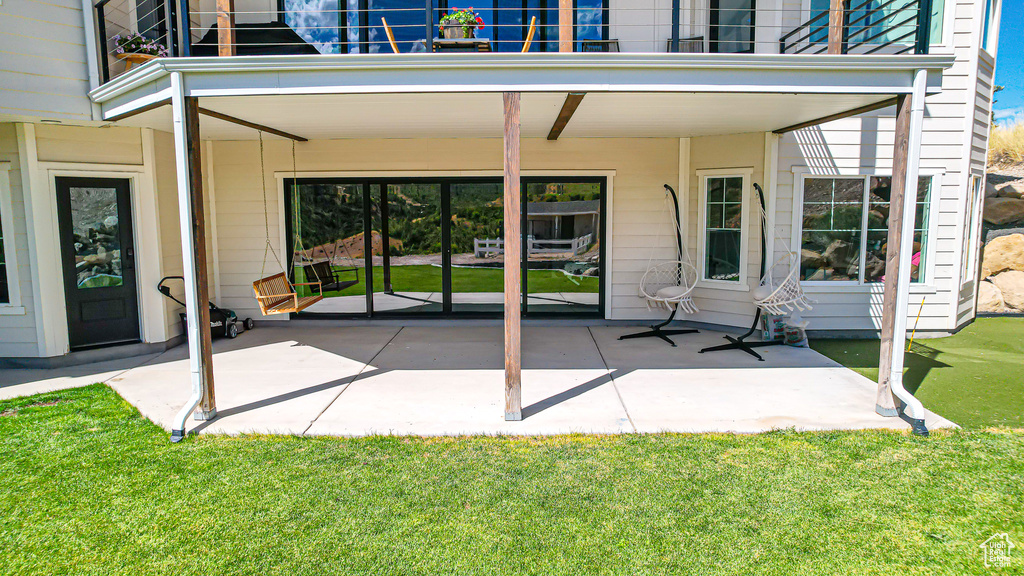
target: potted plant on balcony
134 48
461 24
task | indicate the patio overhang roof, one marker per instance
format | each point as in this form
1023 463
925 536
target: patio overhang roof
459 95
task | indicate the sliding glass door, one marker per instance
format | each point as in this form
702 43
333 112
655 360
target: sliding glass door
437 246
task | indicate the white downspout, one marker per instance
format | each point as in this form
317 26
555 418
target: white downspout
913 407
187 255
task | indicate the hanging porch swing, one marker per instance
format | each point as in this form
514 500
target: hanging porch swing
276 294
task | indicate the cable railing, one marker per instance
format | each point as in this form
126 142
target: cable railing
135 31
867 27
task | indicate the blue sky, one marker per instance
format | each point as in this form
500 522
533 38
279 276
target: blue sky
1010 63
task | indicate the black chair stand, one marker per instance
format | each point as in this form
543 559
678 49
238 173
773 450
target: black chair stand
740 343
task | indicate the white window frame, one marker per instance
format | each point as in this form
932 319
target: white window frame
926 277
746 173
13 307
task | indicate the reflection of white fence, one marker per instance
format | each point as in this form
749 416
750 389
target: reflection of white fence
481 248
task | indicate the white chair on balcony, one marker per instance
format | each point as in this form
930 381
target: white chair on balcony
669 284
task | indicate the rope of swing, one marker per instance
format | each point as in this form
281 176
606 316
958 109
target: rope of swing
268 248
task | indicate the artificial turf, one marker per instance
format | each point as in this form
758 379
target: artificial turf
974 378
87 486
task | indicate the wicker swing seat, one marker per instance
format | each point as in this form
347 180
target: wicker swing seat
276 295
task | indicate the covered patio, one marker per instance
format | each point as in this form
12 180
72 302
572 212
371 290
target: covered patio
439 378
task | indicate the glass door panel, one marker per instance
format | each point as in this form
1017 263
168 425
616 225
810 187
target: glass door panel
326 221
732 26
562 248
407 245
477 247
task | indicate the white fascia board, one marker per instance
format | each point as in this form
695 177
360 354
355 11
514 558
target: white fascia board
541 72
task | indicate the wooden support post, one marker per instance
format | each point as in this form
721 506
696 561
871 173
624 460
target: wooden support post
225 27
835 26
885 404
191 217
899 247
513 263
197 220
565 25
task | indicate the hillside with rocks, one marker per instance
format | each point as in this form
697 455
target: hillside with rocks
1002 267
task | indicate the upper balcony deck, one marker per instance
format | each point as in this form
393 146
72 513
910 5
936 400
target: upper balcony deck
184 28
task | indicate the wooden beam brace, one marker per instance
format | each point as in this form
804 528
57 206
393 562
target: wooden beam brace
513 264
838 116
835 26
572 102
140 110
565 18
253 125
226 28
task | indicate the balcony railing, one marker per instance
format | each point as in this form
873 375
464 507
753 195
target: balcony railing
133 31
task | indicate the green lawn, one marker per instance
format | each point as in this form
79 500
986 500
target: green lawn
975 377
425 278
87 486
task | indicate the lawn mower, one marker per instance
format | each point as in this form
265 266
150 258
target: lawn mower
223 322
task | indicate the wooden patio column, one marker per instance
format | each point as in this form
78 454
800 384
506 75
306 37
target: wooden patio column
192 219
900 245
225 27
513 261
835 26
565 19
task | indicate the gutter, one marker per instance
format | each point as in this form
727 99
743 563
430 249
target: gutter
497 62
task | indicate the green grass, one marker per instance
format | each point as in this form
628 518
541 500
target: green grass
87 486
975 377
425 278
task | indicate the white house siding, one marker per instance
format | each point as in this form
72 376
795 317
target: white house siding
43 70
17 331
981 123
642 167
865 145
170 229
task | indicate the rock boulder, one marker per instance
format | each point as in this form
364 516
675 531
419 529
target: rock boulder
990 299
1012 190
1011 285
1003 253
1001 211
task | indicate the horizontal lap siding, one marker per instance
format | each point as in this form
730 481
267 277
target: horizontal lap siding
43 72
642 167
866 143
18 332
165 173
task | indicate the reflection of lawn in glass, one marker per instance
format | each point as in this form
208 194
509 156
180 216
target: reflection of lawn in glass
425 278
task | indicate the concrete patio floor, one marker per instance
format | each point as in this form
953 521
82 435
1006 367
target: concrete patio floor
349 380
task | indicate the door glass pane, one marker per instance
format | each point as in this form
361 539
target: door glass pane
97 237
563 220
407 20
327 245
734 26
409 277
318 23
723 223
477 239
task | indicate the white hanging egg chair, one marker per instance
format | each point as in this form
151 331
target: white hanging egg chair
669 284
